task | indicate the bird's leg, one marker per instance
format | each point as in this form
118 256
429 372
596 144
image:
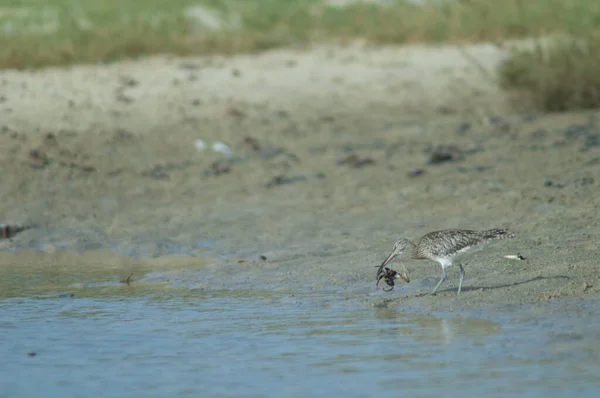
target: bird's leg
462 277
441 281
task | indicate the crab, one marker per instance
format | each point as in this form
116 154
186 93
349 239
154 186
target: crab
389 275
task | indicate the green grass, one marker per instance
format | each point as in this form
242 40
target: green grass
118 29
561 76
86 31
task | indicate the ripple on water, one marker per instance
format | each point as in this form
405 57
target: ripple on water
271 344
168 334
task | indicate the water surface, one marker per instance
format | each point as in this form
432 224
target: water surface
116 340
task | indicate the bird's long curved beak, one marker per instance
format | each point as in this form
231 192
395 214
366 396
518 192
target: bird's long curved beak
388 259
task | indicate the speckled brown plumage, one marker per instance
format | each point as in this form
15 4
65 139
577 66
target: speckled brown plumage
445 247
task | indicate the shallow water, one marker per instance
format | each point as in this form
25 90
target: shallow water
152 340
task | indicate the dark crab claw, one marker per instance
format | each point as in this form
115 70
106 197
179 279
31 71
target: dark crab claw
388 275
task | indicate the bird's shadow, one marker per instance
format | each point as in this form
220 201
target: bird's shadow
504 285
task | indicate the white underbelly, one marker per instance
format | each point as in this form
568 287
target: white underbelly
459 256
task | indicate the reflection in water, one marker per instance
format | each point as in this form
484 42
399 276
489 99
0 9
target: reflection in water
439 330
215 344
160 337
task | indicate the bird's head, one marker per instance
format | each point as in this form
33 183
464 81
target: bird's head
399 248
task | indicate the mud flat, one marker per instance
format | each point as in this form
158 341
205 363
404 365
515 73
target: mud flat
334 154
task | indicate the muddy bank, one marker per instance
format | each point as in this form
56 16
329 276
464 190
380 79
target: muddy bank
334 154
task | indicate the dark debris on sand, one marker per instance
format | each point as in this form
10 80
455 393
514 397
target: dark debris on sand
8 231
448 153
282 180
354 161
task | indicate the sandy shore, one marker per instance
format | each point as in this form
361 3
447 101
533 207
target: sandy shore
105 156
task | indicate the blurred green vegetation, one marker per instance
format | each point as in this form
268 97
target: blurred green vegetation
39 33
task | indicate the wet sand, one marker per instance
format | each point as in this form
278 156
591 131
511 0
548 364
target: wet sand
105 157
